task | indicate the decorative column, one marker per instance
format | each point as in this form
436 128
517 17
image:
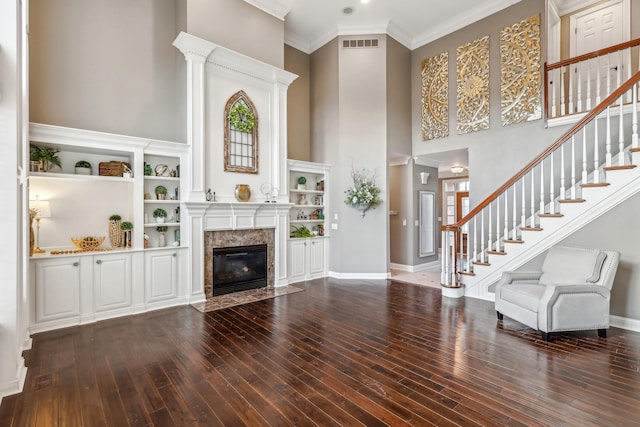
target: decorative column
196 51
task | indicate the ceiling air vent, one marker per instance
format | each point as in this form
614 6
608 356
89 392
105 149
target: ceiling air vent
359 44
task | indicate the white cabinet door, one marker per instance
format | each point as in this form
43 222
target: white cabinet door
111 281
57 289
161 275
297 260
316 258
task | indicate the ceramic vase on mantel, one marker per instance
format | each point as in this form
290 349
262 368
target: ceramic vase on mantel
115 234
242 193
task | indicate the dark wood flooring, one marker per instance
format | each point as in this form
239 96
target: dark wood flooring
341 353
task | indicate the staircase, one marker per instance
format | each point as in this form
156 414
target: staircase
585 173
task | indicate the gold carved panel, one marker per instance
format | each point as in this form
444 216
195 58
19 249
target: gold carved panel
435 97
521 77
473 86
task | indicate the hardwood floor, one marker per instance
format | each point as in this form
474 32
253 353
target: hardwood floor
341 353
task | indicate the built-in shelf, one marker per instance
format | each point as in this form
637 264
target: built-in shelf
77 177
293 190
158 224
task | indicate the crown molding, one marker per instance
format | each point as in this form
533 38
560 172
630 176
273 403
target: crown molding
464 20
274 8
567 6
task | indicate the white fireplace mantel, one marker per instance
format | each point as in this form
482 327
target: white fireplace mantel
243 215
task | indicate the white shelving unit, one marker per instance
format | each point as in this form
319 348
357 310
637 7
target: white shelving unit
171 181
307 257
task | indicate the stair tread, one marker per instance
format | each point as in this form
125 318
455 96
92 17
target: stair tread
531 228
572 200
480 263
619 167
513 241
635 150
595 184
550 215
496 252
467 273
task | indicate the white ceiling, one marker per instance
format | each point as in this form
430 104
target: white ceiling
309 24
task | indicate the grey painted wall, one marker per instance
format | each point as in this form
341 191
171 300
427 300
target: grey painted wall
499 152
398 99
299 102
105 65
614 231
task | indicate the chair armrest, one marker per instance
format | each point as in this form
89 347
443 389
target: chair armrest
575 298
509 277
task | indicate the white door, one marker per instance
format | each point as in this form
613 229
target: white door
112 281
57 289
594 29
316 258
160 275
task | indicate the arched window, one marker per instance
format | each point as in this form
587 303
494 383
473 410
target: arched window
240 135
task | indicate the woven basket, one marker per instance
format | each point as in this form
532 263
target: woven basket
112 168
88 243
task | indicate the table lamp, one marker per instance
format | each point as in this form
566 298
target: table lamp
44 211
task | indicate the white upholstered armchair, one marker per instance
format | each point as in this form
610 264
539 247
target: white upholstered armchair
571 293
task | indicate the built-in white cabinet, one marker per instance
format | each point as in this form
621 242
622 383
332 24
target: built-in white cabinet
57 290
161 273
69 286
306 259
112 287
308 192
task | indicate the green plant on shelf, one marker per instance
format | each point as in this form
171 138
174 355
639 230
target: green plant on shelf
126 225
161 189
83 164
162 228
301 232
302 180
159 213
46 156
115 217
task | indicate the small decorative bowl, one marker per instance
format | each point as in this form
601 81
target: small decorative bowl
88 243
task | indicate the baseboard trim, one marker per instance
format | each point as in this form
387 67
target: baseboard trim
359 276
14 387
625 323
415 268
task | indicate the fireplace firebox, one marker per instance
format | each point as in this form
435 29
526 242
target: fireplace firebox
239 268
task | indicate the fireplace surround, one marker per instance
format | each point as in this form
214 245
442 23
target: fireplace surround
240 240
239 268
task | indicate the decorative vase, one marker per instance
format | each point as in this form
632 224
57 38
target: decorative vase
161 196
159 219
126 238
242 193
362 208
115 236
83 171
162 241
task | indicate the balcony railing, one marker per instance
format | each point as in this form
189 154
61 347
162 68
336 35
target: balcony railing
576 85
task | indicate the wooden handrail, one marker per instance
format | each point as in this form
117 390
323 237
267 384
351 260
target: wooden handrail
594 54
586 119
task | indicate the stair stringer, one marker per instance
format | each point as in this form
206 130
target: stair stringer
598 201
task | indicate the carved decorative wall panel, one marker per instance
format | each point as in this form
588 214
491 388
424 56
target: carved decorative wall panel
473 86
435 97
521 78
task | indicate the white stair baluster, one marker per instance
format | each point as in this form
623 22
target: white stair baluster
572 81
598 88
621 134
523 217
584 155
562 98
506 214
475 238
552 191
573 166
532 206
579 87
490 234
482 253
634 117
552 91
498 223
541 208
596 160
515 216
588 103
445 260
608 138
563 181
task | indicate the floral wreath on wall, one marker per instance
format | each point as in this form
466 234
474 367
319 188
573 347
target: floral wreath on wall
364 193
241 118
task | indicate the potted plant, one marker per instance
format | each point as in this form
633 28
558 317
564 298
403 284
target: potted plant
160 214
47 157
302 181
126 228
161 192
115 232
83 168
162 240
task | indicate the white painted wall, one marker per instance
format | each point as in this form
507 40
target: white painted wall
12 257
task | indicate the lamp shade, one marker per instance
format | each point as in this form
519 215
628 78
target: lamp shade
43 207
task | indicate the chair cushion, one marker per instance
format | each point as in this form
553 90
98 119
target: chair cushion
565 265
524 295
